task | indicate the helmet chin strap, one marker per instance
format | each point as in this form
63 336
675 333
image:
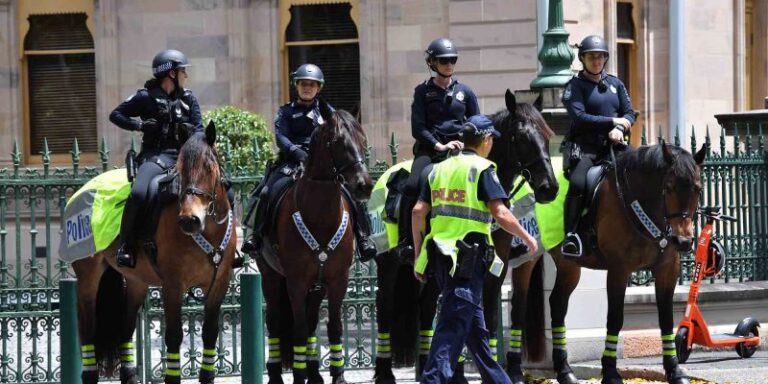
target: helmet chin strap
433 68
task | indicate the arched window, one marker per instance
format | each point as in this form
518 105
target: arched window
59 78
324 33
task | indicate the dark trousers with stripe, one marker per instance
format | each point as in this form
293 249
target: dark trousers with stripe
460 322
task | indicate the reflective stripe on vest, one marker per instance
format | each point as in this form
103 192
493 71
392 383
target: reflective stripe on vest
456 210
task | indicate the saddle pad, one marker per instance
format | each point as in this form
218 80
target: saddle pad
92 215
550 216
383 233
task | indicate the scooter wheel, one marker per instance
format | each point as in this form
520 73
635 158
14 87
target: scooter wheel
681 345
748 327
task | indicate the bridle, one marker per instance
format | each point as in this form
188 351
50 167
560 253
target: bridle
338 170
518 167
210 195
651 229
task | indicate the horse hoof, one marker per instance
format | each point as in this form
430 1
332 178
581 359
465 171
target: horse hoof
339 379
677 377
277 380
458 380
612 380
315 379
517 379
567 378
384 380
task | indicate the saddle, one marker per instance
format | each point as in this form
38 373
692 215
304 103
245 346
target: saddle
595 177
163 189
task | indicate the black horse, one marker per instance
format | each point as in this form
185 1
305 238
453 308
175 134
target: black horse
522 150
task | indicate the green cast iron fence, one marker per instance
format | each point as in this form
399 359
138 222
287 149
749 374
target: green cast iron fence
32 201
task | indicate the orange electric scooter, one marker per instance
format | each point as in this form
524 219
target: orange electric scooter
710 259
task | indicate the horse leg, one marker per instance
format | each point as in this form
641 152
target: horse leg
666 279
427 310
336 292
172 297
314 299
567 278
521 277
211 311
135 292
298 297
491 296
278 307
386 270
88 273
616 286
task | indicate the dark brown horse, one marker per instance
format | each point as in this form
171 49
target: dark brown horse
315 245
664 181
109 297
522 150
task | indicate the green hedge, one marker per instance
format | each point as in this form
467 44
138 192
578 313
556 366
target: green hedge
244 140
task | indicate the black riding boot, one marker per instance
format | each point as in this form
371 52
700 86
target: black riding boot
253 243
124 253
572 245
365 246
404 249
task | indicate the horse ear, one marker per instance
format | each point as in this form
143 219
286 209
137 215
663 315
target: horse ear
210 133
511 101
668 156
700 155
325 110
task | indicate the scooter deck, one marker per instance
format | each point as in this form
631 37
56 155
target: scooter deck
726 336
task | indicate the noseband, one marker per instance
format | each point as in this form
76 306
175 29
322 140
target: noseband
211 209
518 167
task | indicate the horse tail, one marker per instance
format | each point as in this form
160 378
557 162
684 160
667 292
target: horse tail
534 315
110 312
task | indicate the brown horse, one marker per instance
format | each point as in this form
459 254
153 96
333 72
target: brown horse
109 297
522 150
662 181
314 245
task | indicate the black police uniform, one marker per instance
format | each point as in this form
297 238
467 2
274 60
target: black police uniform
432 107
461 314
162 115
591 107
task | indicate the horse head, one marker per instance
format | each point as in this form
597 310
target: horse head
202 191
337 152
523 148
681 190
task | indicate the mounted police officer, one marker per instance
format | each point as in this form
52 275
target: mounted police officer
601 113
164 108
438 100
294 124
463 195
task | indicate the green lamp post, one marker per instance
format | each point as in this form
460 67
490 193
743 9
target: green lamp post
555 55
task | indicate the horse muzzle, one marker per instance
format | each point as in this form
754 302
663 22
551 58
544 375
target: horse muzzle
683 243
190 224
545 192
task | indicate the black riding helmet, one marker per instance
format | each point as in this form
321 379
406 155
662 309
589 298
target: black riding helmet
442 47
168 60
308 72
593 43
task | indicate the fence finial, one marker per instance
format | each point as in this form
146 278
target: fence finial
393 148
104 154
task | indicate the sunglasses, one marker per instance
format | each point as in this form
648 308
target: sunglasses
446 60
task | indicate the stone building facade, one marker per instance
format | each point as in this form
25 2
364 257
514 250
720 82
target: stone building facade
241 51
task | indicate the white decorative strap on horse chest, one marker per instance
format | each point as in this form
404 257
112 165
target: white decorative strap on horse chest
310 240
648 223
215 253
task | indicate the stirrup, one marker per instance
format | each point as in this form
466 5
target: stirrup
366 250
124 257
572 245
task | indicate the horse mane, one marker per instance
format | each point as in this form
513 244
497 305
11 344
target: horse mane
346 124
523 112
197 158
651 158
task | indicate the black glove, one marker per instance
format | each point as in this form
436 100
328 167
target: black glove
149 125
299 154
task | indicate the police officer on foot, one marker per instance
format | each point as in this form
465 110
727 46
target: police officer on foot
463 195
164 107
601 114
436 101
294 125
